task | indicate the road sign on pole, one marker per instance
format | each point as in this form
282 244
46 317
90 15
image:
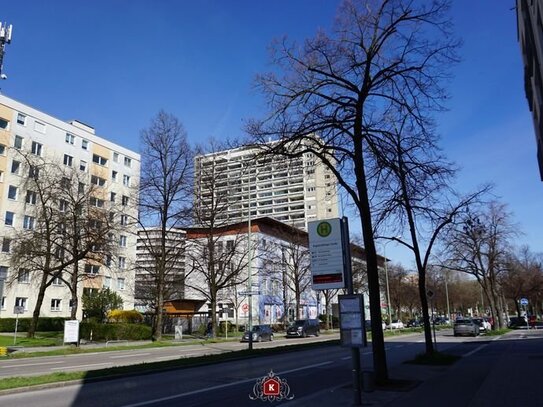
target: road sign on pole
523 301
327 257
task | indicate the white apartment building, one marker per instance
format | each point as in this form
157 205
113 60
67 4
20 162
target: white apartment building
147 249
293 191
112 169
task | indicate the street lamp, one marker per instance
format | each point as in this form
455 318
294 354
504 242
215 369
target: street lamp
386 280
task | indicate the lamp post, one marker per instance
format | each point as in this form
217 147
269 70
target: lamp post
249 271
386 280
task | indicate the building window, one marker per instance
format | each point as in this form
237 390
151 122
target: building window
9 219
122 241
92 270
21 119
58 280
82 165
99 203
85 144
63 205
120 284
23 276
116 157
2 149
39 127
12 192
99 160
107 282
68 160
15 167
98 181
114 175
124 200
124 220
70 138
80 187
127 161
18 142
33 172
21 302
4 124
122 262
31 197
3 306
126 180
55 304
112 197
36 148
65 183
28 222
108 261
6 243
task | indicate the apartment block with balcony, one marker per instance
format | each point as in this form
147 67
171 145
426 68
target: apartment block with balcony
112 170
292 191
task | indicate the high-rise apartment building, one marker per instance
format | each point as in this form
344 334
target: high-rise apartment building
291 190
107 171
530 36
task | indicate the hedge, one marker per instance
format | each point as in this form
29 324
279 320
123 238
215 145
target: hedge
44 324
118 331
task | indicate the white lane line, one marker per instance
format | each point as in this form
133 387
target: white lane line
31 364
346 358
129 356
220 386
78 367
398 346
477 349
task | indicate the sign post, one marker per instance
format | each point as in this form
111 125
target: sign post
17 310
71 331
524 303
330 249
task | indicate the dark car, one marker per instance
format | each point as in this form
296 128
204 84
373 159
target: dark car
415 323
466 327
517 323
260 333
304 327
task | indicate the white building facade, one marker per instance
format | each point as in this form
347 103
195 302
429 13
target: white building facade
112 169
293 191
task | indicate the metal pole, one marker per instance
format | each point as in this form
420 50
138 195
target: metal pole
433 325
249 271
355 352
16 326
447 296
388 289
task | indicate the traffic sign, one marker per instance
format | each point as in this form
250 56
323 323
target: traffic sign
523 301
430 293
245 307
18 309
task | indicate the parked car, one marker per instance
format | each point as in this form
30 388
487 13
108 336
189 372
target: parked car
441 321
517 323
415 323
396 324
484 324
368 325
260 333
304 327
466 327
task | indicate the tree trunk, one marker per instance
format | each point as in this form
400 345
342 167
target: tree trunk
37 308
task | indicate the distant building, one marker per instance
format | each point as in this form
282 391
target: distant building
530 36
111 169
293 191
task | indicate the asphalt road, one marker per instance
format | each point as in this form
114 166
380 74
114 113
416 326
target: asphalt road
230 383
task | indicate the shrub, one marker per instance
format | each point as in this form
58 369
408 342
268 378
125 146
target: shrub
127 316
44 324
117 331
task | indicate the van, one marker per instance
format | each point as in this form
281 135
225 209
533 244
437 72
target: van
302 328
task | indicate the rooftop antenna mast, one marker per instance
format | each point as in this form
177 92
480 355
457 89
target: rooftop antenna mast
5 38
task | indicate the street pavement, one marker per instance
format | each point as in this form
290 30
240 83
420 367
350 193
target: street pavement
498 371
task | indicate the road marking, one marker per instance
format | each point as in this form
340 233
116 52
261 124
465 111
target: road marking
367 353
346 358
129 356
79 366
31 364
220 386
477 349
398 346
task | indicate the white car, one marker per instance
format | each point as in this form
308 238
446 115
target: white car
396 324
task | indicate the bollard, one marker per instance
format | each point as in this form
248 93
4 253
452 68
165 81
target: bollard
368 381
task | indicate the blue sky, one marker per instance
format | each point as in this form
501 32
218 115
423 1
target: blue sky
113 64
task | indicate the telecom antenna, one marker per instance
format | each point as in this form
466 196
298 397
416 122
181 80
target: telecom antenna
5 38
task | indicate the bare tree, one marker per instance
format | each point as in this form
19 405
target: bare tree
66 223
165 198
479 246
335 96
